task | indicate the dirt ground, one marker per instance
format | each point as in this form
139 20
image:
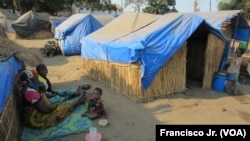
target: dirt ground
129 121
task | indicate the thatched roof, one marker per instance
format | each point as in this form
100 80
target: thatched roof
9 48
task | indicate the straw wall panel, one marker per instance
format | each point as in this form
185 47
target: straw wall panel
213 55
125 78
10 129
43 34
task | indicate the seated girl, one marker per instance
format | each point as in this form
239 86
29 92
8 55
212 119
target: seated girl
55 96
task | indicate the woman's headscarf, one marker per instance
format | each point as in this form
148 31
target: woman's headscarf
30 78
27 75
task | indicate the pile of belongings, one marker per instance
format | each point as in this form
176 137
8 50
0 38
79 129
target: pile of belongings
51 48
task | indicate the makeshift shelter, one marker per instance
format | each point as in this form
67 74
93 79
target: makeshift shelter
9 123
33 26
152 60
13 59
70 31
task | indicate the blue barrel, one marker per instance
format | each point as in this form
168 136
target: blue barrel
219 82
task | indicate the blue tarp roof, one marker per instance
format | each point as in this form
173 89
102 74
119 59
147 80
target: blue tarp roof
238 24
8 71
73 29
151 45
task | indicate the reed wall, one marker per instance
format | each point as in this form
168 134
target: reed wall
126 78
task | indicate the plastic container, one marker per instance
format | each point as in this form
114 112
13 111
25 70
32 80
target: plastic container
98 137
219 82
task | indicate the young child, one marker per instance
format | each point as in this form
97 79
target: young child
94 105
55 96
234 71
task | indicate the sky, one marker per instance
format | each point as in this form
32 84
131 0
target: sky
186 5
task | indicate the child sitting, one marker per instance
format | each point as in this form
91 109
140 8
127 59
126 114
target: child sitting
94 105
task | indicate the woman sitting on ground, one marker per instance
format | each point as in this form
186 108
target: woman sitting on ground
55 96
38 112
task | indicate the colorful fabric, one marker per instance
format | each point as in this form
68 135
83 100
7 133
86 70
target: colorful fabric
36 119
32 96
99 111
44 81
27 75
62 95
74 123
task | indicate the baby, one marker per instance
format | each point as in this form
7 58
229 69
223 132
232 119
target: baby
94 105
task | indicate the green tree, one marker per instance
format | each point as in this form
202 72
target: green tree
243 5
52 6
98 4
136 4
42 5
160 6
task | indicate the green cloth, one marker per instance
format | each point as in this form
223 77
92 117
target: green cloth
74 123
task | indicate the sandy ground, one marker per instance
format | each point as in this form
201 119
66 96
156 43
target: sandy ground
129 121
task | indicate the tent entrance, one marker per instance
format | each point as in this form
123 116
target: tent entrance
196 48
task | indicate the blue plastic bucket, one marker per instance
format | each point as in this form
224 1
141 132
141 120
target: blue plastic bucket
219 82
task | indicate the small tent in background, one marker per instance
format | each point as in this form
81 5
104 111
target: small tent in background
70 31
159 56
33 25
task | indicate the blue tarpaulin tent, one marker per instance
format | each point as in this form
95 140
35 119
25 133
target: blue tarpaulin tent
151 45
9 70
73 29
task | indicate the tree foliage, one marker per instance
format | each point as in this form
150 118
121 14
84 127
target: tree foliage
52 6
100 5
7 4
243 5
160 6
136 4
